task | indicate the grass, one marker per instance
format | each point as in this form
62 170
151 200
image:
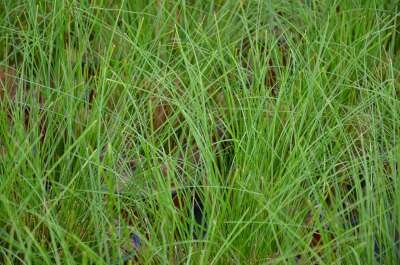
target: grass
279 118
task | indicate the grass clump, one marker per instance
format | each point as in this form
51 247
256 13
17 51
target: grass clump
199 132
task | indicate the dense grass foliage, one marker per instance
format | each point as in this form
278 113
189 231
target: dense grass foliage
199 132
